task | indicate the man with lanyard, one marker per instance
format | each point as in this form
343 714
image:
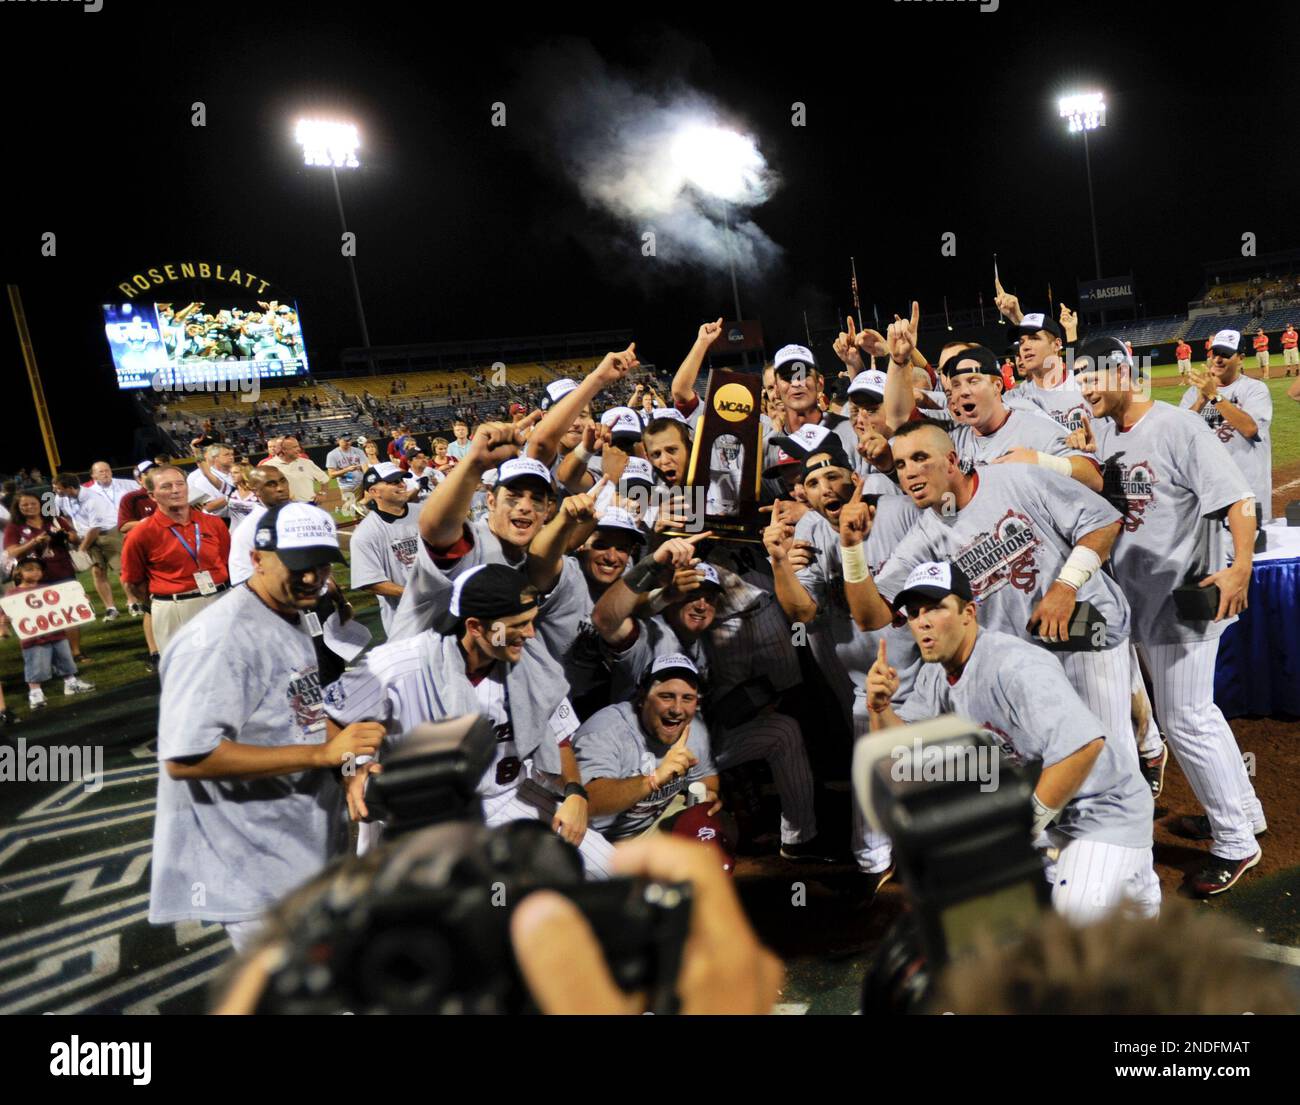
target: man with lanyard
102 539
176 558
249 801
482 657
347 464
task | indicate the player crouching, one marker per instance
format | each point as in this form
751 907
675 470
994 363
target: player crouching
1092 809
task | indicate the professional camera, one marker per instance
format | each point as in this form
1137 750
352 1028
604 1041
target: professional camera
959 819
422 924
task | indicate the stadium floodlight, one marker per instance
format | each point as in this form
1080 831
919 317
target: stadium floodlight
718 161
723 164
333 145
328 144
1083 111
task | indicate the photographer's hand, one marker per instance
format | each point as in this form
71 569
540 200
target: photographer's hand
724 968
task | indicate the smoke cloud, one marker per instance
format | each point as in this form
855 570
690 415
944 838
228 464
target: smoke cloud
620 145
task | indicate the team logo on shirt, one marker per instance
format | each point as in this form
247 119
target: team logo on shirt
306 701
1070 420
335 695
1007 555
1222 429
405 550
1006 745
1135 482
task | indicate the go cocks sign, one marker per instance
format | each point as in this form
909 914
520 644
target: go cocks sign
46 610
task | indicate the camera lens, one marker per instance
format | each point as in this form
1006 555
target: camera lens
405 970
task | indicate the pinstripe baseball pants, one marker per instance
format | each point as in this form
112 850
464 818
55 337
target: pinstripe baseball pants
777 739
1149 742
1182 676
530 801
1103 681
871 849
1090 878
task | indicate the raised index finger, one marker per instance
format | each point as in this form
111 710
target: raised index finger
700 536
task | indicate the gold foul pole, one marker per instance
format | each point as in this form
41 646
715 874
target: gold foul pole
34 377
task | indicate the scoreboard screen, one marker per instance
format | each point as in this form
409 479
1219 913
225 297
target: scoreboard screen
166 345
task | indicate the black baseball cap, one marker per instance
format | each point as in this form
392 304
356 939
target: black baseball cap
975 359
829 454
933 579
488 592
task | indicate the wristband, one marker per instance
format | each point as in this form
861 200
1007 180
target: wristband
853 563
1043 815
1059 465
1079 568
570 789
582 452
643 575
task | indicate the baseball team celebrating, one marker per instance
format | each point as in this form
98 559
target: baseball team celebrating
934 544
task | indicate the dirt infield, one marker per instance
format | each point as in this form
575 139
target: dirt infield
1286 486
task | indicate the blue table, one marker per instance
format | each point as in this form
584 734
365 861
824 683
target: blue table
1258 672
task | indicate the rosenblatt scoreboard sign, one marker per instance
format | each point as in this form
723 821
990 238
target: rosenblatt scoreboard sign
1098 295
178 271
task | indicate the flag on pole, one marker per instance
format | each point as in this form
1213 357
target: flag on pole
857 303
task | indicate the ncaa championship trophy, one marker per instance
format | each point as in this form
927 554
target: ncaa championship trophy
727 457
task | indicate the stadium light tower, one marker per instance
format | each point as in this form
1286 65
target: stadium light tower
1083 112
334 145
725 165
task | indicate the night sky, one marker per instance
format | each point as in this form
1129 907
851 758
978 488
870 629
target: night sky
921 119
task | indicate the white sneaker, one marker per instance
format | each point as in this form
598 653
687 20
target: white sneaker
135 610
73 685
111 614
36 698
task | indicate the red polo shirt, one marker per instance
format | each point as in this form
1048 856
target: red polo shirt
154 554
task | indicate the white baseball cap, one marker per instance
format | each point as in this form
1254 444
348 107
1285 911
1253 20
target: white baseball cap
789 354
300 534
673 665
804 441
619 519
669 412
638 470
523 468
557 390
868 386
1226 342
622 422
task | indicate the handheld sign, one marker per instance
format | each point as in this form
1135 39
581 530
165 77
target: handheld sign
47 609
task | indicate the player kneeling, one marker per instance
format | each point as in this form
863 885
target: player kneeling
637 758
1092 809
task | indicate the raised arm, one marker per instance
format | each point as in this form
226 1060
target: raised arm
442 517
689 370
797 604
867 606
612 616
574 521
545 441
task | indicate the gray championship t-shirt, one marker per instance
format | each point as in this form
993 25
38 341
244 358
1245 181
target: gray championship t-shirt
1021 695
1064 404
612 745
227 849
1023 428
383 549
1254 456
1171 477
1011 540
